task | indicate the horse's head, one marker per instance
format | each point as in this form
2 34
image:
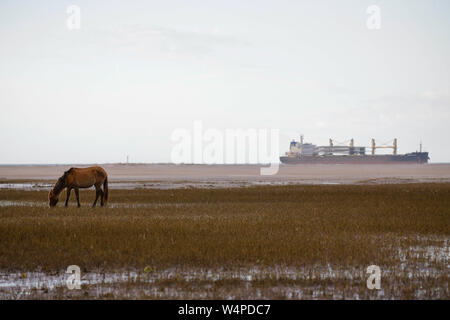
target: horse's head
52 198
54 193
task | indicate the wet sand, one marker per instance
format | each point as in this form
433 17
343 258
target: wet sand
225 175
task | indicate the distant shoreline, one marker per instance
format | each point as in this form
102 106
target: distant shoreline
169 164
244 174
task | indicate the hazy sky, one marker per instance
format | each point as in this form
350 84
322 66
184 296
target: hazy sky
137 70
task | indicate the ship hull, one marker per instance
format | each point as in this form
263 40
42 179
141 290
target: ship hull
412 158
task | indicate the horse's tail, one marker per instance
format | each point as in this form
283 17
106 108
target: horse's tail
105 189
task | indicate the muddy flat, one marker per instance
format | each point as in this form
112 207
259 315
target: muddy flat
226 175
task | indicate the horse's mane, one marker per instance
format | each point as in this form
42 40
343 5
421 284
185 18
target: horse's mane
61 183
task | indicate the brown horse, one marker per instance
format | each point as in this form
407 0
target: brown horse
76 178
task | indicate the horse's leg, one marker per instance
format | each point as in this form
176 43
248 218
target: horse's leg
102 194
68 196
97 194
77 193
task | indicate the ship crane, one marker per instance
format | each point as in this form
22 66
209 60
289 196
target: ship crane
336 147
393 146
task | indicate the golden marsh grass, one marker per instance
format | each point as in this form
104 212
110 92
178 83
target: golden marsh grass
302 227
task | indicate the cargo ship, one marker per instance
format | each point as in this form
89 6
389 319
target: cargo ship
308 153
